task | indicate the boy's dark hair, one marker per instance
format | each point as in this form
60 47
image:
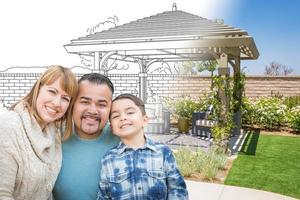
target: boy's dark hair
137 101
98 79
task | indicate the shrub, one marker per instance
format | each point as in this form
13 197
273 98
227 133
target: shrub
292 101
209 170
185 160
212 162
208 164
219 158
270 112
294 118
248 111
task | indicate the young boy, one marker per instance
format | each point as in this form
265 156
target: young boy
138 168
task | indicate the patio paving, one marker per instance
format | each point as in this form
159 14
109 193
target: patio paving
175 140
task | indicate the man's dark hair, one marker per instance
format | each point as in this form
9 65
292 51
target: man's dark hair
98 79
137 101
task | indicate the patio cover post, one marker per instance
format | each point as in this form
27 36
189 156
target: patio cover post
223 71
97 66
237 95
143 86
142 79
96 61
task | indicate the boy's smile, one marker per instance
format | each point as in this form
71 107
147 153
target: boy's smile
127 121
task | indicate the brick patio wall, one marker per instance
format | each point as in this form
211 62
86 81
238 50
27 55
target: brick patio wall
266 86
13 86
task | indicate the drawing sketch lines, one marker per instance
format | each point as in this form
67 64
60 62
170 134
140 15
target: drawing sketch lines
152 46
171 36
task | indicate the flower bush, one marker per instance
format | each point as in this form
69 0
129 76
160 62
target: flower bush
294 118
267 112
248 111
271 112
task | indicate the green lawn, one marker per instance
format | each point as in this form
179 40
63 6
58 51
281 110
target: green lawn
270 163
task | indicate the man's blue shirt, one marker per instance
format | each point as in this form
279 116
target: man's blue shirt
145 173
79 175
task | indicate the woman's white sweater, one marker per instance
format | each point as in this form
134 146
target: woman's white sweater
30 159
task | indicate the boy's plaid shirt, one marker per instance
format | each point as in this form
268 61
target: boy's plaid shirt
149 172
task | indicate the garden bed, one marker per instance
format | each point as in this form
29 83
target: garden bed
222 173
285 131
220 177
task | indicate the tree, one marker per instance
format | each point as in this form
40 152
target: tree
276 69
188 67
209 65
192 67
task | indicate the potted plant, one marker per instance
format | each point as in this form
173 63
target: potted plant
183 110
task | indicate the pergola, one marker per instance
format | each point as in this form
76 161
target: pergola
170 36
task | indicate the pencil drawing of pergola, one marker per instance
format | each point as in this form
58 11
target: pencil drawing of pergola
171 36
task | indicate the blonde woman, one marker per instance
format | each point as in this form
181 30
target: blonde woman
30 137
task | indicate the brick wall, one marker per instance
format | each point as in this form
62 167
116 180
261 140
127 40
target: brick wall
178 85
14 86
266 86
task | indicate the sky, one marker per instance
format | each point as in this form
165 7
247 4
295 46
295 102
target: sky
33 32
275 27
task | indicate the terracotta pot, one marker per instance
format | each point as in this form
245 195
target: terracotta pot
183 125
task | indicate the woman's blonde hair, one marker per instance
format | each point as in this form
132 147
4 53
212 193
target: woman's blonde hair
68 83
